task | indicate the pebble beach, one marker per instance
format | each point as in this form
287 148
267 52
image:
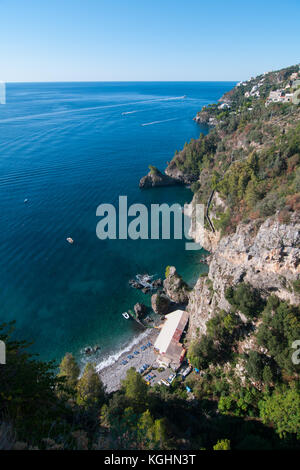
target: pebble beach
113 374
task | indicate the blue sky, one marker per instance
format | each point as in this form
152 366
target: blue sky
66 40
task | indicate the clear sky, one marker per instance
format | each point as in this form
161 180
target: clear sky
66 40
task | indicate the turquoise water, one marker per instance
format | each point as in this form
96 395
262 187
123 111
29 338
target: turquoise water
67 147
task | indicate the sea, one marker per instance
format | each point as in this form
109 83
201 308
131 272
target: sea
66 148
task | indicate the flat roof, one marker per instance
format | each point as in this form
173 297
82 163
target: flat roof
172 330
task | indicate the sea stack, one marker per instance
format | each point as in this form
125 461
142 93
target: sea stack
156 178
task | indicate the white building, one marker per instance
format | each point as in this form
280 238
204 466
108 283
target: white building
167 345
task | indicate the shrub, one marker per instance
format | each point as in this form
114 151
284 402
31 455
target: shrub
246 299
280 327
223 444
282 409
153 170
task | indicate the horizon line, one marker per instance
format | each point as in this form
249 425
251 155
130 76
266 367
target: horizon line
119 81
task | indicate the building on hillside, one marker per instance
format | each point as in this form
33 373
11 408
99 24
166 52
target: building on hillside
167 345
279 96
296 84
224 106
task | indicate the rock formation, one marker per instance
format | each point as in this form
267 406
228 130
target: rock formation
155 178
160 304
174 286
140 310
266 257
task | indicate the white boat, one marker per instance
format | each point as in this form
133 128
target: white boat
70 240
126 315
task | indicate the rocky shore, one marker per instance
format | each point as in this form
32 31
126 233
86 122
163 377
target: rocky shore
156 178
112 374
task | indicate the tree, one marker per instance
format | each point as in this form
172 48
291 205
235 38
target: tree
160 433
282 409
279 329
135 387
90 390
202 352
223 444
30 390
246 299
145 429
69 369
255 364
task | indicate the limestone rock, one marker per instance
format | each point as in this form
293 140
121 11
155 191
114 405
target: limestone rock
140 310
156 178
160 304
175 288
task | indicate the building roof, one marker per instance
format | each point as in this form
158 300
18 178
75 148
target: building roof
171 331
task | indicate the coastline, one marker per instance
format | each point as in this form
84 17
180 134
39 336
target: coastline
112 371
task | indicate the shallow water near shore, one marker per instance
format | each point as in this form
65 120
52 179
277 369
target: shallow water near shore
66 148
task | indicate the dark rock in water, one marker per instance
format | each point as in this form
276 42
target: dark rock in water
157 283
160 304
140 310
146 290
91 350
156 178
148 320
175 287
135 284
145 283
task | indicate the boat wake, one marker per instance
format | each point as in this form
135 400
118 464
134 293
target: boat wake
131 112
60 112
158 122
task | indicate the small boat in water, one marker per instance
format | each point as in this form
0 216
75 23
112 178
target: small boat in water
126 315
70 240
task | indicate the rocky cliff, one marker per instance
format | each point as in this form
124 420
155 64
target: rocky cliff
266 256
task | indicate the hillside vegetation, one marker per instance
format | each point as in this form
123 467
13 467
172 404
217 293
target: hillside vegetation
251 157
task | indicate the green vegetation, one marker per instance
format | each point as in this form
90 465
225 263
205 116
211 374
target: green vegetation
251 157
270 390
90 391
246 299
296 286
67 411
282 409
153 170
223 444
280 327
167 272
29 391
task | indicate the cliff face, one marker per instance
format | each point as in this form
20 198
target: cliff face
178 175
267 257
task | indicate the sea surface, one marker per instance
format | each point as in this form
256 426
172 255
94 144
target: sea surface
66 148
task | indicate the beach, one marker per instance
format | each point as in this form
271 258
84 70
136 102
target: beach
112 374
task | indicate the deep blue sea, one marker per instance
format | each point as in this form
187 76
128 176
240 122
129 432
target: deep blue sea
68 147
